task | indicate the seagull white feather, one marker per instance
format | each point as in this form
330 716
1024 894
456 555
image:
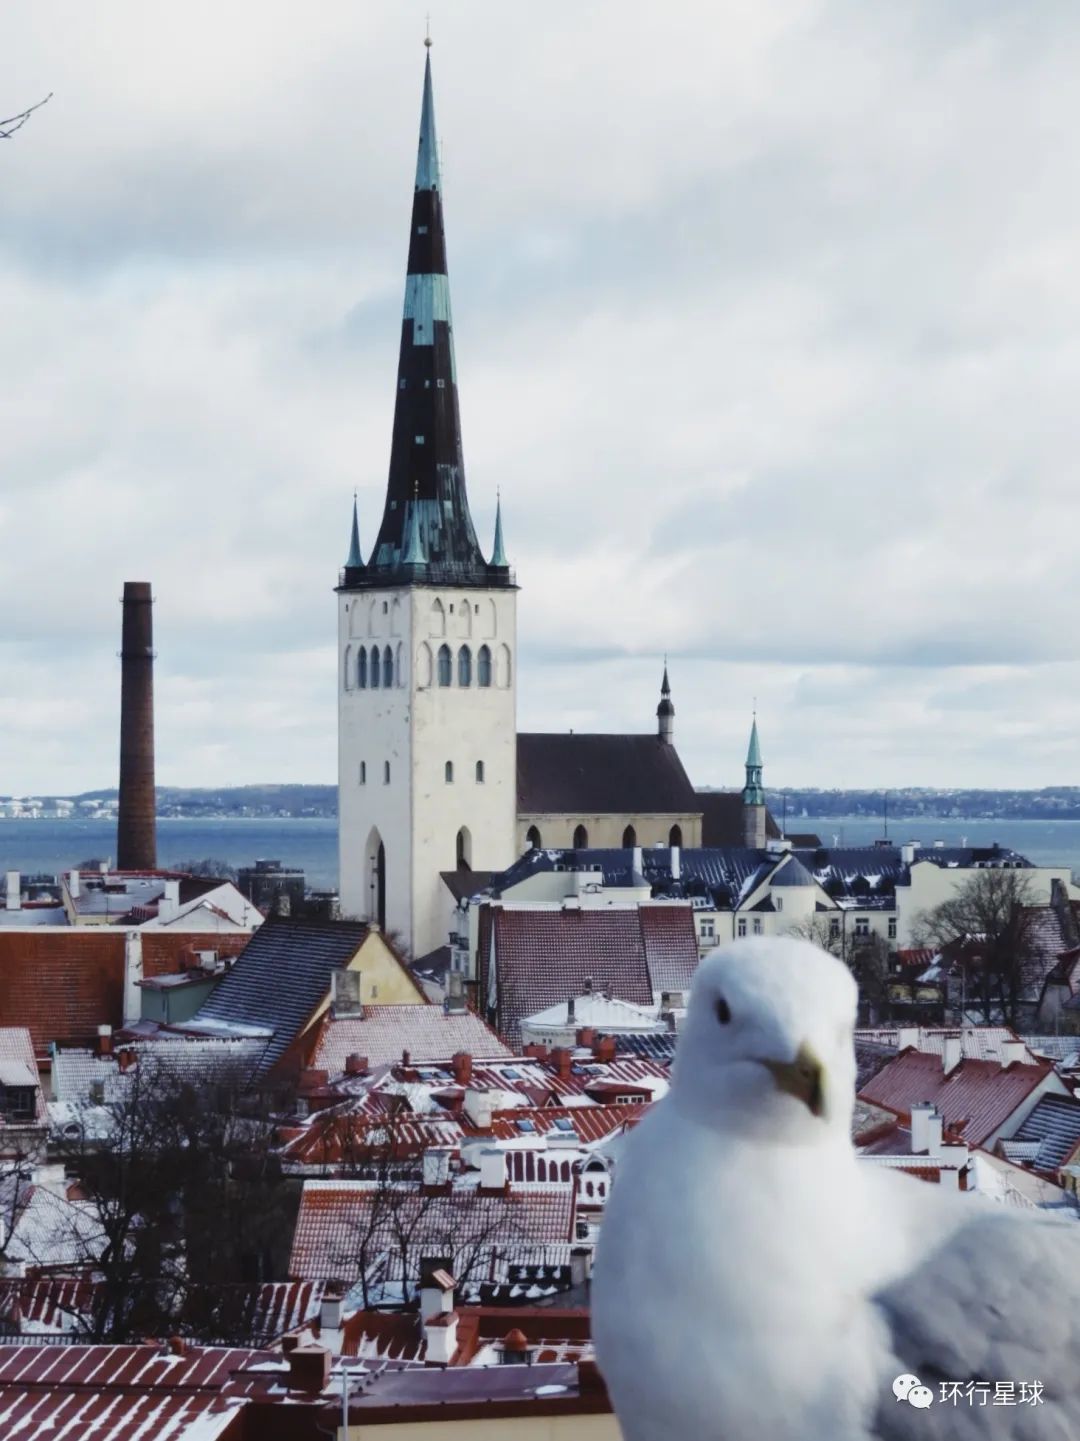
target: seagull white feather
755 1282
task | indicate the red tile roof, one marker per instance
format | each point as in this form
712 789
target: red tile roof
544 956
671 947
427 1032
560 1334
590 1123
166 953
61 983
132 1393
975 1099
484 1231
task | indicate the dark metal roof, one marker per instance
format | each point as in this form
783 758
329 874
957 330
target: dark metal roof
793 873
427 534
601 775
280 978
1055 1123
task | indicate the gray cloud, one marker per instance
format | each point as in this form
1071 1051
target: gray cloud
765 328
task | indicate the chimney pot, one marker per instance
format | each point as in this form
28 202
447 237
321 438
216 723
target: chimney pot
586 1036
355 1064
462 1065
309 1368
604 1050
562 1060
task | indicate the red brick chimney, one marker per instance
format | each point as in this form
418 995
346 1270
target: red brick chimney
586 1035
309 1368
604 1049
562 1059
136 825
356 1065
462 1064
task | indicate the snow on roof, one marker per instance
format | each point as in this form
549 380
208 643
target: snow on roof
601 1012
427 1032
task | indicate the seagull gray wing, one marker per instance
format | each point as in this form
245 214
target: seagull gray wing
998 1301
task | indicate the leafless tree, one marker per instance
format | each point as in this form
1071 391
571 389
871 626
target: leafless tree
187 1199
13 123
987 929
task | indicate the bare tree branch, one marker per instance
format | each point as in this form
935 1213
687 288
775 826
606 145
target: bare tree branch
9 126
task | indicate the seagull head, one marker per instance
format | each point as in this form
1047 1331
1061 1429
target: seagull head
766 1049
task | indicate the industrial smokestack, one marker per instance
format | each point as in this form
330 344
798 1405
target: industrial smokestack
136 829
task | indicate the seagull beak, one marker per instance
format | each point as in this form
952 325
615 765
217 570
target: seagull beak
804 1078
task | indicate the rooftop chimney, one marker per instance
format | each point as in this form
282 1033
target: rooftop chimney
926 1123
136 833
1012 1053
562 1059
952 1052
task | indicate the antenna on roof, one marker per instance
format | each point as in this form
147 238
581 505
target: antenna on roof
886 815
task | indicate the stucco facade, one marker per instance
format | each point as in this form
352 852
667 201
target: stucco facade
426 765
557 831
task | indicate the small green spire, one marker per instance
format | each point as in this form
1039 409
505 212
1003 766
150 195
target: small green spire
753 755
414 546
498 556
355 560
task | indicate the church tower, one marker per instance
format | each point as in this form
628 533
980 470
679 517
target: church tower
753 796
427 724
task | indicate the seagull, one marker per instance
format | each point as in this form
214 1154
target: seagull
754 1281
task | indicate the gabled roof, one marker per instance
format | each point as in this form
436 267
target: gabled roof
18 1066
339 1221
975 1099
601 775
281 978
545 956
428 1033
792 872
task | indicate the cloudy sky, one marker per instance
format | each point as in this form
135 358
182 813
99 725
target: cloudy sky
768 327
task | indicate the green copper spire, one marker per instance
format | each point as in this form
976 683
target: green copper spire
753 792
498 555
355 560
414 546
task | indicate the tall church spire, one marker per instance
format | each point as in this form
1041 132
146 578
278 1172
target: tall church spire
498 554
426 484
355 561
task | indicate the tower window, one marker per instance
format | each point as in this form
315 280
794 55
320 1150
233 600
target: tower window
388 667
463 849
675 836
386 773
449 772
581 838
444 665
419 439
421 230
480 772
375 667
385 607
440 384
464 666
363 773
401 383
361 668
483 666
629 838
532 835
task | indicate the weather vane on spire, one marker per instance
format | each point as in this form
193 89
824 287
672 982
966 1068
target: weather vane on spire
427 30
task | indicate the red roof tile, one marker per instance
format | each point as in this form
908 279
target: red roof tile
671 947
166 953
484 1231
975 1099
61 983
427 1032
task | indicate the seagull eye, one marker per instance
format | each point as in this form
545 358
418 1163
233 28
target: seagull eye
723 1011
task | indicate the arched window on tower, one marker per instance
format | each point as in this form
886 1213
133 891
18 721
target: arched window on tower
581 838
375 667
532 835
388 667
629 837
445 664
463 849
361 668
386 773
675 836
464 666
480 772
483 666
449 772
